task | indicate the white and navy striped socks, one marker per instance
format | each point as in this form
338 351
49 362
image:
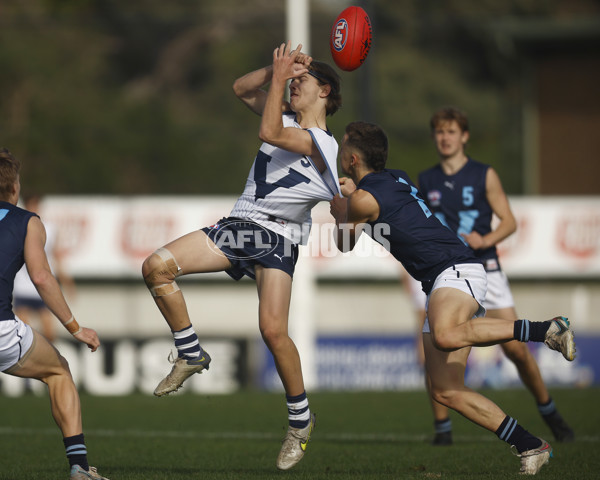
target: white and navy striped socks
298 411
187 343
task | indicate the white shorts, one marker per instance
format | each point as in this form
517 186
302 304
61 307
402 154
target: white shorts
466 277
498 291
417 295
16 338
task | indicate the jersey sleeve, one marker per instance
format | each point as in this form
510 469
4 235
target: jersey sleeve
328 147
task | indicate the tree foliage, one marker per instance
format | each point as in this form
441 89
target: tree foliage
112 97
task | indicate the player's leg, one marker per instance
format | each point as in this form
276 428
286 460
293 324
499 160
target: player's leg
441 419
44 362
446 371
192 253
530 374
274 293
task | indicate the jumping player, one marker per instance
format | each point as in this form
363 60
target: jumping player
387 206
23 351
463 194
294 169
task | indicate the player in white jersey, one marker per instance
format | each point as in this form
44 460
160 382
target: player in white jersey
294 169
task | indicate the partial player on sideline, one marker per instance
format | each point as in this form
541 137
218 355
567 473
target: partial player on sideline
23 351
387 202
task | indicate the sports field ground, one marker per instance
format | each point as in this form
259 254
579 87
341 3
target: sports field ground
358 436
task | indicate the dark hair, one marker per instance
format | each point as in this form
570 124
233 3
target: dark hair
326 75
449 114
371 141
9 173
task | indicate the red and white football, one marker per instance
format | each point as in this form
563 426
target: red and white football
351 37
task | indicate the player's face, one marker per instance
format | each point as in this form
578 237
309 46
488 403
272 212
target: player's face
304 92
449 139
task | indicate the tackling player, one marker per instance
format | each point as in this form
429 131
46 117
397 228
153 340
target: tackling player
463 194
387 206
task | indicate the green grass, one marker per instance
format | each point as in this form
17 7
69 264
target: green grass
358 436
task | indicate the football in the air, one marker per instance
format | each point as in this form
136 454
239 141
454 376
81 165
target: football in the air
351 37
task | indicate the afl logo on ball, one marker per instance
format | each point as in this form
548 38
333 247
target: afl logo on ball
340 35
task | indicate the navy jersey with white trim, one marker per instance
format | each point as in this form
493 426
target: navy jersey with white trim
415 237
460 201
13 229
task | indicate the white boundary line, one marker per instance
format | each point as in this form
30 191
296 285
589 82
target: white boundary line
343 437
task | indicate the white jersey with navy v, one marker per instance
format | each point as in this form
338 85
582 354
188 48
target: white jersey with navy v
414 235
284 186
13 229
460 201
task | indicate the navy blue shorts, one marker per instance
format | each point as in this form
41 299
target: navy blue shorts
247 244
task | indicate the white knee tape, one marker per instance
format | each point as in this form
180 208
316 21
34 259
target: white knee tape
169 265
164 289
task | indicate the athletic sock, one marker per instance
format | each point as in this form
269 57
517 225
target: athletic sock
442 426
526 331
298 411
514 434
547 409
187 343
76 451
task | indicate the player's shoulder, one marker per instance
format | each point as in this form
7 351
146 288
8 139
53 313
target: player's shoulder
477 165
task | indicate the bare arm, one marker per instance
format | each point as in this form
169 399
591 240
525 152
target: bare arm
249 89
47 285
351 214
499 202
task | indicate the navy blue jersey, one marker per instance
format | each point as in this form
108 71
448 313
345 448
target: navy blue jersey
13 229
460 201
413 235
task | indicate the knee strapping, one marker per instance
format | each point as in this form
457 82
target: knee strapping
167 266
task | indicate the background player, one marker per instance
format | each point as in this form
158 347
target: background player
26 300
23 351
464 194
294 169
387 206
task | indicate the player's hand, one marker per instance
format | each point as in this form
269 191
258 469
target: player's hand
347 186
338 206
304 58
474 240
285 64
89 337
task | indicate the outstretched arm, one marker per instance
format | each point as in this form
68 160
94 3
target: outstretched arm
47 285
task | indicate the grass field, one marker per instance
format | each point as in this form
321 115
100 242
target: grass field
358 436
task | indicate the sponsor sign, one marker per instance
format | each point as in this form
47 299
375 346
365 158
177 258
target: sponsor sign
109 237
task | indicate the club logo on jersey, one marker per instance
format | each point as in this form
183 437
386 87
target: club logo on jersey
434 198
340 34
